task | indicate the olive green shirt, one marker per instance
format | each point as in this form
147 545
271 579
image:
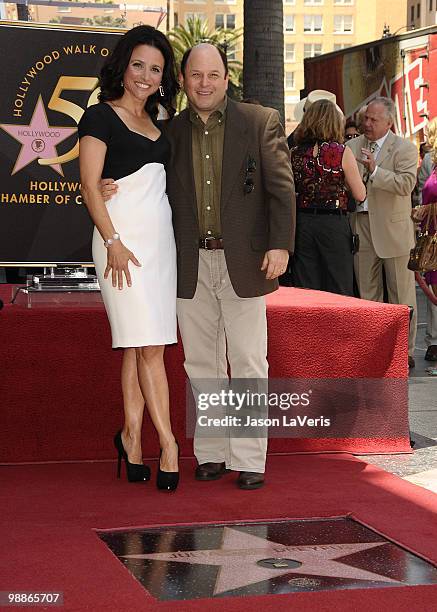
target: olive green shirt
207 146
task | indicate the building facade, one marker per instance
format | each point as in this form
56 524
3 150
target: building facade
421 13
100 12
311 27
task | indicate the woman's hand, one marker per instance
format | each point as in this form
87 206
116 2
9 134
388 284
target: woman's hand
118 261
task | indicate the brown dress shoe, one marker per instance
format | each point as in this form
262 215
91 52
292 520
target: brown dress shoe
250 480
431 353
210 471
411 362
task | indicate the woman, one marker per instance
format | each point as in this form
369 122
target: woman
133 243
429 196
323 169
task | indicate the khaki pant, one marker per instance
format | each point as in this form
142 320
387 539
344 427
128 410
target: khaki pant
217 326
401 287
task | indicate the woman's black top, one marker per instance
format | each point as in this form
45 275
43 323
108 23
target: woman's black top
127 151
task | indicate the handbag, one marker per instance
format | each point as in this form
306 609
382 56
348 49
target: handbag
423 257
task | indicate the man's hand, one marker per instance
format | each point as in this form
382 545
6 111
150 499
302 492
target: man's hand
368 160
108 188
275 263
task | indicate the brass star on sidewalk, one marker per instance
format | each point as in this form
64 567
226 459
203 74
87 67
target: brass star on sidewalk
240 552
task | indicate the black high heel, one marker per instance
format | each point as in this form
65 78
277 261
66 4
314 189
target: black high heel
135 472
167 481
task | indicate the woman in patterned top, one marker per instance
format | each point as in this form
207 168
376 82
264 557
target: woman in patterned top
324 171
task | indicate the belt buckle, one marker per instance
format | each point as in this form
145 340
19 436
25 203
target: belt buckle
205 242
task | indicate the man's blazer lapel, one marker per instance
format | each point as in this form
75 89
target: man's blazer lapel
387 148
183 156
234 149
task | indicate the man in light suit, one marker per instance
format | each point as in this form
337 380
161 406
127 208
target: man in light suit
231 190
383 220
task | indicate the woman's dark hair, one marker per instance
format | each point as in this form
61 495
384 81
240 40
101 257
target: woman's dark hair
111 75
350 123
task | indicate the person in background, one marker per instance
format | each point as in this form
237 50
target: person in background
359 120
304 104
351 130
426 189
424 148
323 170
383 221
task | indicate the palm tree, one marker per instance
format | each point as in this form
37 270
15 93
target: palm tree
263 59
197 31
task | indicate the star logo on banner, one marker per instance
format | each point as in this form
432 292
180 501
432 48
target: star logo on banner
37 138
240 553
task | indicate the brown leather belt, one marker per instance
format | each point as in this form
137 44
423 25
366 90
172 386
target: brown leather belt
362 212
210 243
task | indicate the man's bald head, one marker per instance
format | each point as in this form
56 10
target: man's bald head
205 49
205 79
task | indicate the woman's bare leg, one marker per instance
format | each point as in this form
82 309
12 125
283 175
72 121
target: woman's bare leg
152 379
133 403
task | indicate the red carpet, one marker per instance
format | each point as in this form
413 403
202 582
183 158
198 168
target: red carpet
49 513
60 379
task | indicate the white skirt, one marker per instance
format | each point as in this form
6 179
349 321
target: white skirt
145 313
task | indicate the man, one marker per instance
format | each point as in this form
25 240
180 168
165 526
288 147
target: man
231 190
383 220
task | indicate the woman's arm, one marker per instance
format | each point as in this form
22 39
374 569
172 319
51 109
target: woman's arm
92 153
352 175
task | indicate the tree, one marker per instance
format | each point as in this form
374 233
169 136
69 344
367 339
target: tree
106 21
263 59
197 31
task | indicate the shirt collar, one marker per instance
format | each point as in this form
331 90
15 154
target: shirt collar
381 141
220 110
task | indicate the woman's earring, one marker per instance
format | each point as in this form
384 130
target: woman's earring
121 84
161 91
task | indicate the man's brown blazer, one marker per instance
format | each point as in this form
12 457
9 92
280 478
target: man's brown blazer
252 223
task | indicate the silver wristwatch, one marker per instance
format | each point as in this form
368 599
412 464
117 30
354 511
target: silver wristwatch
111 240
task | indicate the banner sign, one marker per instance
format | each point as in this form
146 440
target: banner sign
402 69
49 76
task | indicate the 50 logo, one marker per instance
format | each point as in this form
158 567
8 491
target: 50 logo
74 111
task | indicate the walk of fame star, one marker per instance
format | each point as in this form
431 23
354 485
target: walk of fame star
37 138
265 558
240 552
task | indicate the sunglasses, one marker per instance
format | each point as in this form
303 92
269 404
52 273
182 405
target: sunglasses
249 183
350 136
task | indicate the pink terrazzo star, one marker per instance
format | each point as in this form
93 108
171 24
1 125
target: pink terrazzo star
38 139
240 552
